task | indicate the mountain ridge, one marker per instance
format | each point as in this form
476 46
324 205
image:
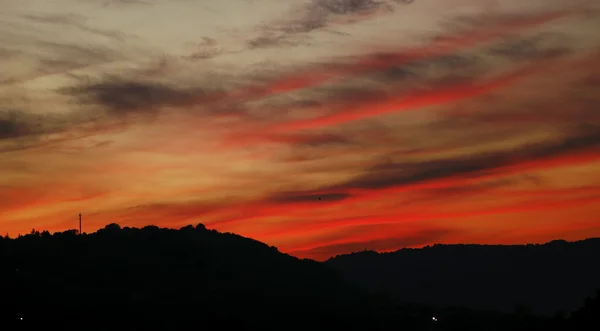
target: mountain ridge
513 277
155 279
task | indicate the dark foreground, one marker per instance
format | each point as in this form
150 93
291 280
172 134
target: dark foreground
543 278
198 279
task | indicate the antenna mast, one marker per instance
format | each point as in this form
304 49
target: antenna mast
79 223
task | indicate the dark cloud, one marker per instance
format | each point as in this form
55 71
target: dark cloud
483 20
442 70
123 97
540 46
204 54
591 80
309 22
397 174
384 75
9 128
27 127
21 130
310 140
274 40
344 7
423 67
468 63
19 124
317 14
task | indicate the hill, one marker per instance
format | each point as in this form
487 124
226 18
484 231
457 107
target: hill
545 279
194 278
152 278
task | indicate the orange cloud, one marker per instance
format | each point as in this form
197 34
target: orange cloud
379 61
511 144
441 46
406 102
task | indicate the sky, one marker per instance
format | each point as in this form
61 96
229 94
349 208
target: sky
321 127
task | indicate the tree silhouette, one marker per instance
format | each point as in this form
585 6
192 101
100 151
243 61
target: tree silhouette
164 279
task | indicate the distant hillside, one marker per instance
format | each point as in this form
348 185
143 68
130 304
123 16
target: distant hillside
152 278
549 278
199 279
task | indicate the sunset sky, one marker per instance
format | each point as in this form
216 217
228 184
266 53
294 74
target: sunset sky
318 126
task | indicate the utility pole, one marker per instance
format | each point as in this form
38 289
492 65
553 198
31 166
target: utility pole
79 223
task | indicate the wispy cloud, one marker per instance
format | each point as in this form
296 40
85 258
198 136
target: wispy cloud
371 124
74 21
123 97
318 14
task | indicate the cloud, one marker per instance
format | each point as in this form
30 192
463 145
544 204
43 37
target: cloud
122 97
74 21
540 46
416 213
115 3
527 155
458 176
23 129
383 74
320 13
206 48
7 53
9 128
416 85
342 7
55 58
291 197
128 94
33 38
410 101
444 50
205 53
308 147
17 124
73 55
316 15
408 240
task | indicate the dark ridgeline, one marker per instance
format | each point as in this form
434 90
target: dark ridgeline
199 279
162 279
545 279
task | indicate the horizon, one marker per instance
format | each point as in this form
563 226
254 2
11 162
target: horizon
38 232
320 127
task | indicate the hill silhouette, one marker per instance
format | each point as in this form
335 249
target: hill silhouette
544 279
194 278
153 278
